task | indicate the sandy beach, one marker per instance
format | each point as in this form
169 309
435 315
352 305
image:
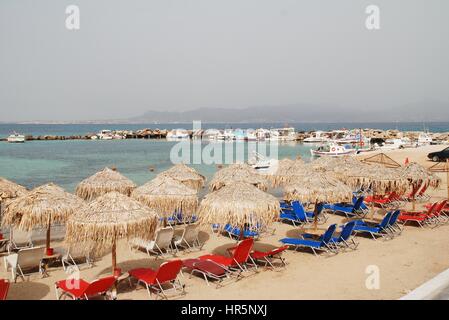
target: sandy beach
404 263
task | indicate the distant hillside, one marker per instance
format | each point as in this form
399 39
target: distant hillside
425 111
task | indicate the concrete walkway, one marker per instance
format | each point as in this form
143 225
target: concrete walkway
434 289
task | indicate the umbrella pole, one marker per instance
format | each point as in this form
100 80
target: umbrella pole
315 216
47 243
114 257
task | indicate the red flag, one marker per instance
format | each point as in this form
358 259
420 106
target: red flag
406 161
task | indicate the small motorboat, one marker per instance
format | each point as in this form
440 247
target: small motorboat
333 150
16 138
317 137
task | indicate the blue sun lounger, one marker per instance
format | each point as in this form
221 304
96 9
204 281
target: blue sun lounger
234 232
345 239
382 229
349 210
299 215
323 244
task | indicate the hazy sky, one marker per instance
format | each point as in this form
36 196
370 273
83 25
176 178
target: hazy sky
138 55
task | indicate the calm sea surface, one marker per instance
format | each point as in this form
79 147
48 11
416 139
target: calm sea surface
68 162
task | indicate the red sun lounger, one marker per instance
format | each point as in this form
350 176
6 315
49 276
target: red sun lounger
4 287
166 274
78 289
267 257
207 268
238 259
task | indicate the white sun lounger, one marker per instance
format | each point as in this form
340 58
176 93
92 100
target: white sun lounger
25 259
160 245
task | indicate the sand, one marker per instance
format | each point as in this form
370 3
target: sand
403 263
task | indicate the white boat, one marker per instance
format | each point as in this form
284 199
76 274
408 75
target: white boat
332 150
262 164
283 134
251 135
211 134
227 134
178 134
424 139
262 134
317 137
16 138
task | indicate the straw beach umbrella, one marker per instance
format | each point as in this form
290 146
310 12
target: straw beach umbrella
41 207
108 218
238 173
166 195
417 175
239 204
185 175
8 191
318 187
103 182
287 171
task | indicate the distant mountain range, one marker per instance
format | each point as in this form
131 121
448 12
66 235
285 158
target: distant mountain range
436 111
426 111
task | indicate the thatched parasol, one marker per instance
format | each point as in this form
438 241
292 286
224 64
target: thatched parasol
103 182
108 218
287 171
166 195
318 187
442 167
416 174
41 207
10 190
239 204
238 173
185 175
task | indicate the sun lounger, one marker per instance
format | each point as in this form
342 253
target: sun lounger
20 240
208 269
238 259
166 274
298 215
69 258
324 243
421 195
79 289
235 232
189 238
4 288
349 210
25 259
159 246
268 257
381 229
421 218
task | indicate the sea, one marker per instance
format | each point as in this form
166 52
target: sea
66 163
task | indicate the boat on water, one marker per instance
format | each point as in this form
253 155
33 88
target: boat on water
211 134
333 150
251 135
283 134
262 164
16 138
178 134
317 137
227 134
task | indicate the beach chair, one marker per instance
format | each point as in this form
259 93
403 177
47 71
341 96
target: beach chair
346 240
375 230
189 238
69 258
79 289
19 240
166 274
268 257
208 269
4 288
25 259
411 196
421 195
298 215
393 224
324 243
238 258
234 232
159 246
348 210
421 218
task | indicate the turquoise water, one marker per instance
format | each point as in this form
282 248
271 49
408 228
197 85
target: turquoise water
66 163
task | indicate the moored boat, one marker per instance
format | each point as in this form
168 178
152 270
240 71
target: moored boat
333 150
16 138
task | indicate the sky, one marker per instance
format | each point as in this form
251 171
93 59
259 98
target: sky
129 57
